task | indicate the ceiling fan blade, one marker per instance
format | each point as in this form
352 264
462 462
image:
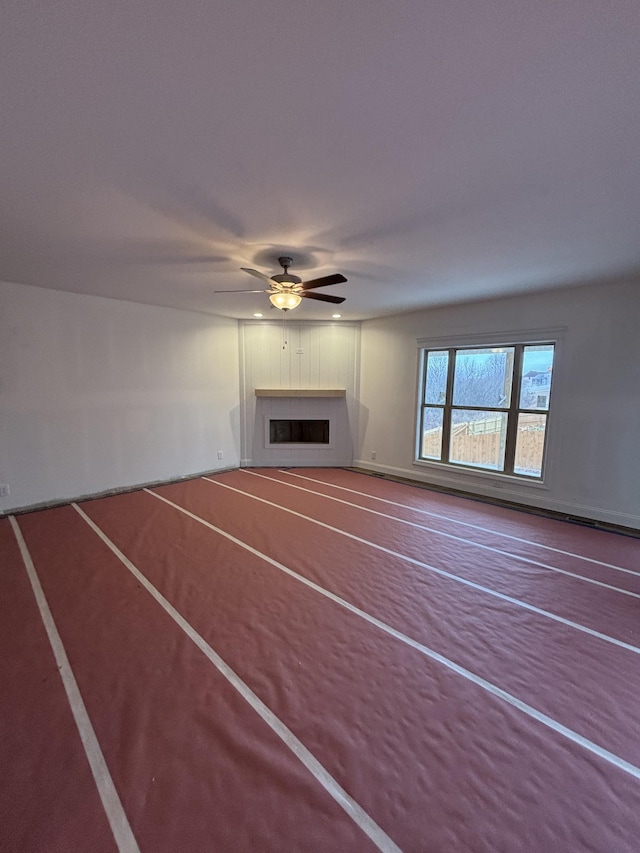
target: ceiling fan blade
325 281
241 291
323 297
257 274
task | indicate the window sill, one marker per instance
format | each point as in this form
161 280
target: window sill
494 478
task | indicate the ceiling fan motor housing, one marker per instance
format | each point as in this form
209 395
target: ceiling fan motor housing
286 278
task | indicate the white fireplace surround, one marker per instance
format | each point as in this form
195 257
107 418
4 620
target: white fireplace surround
333 409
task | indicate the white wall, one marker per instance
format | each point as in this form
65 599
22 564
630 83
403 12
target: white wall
593 467
98 394
317 355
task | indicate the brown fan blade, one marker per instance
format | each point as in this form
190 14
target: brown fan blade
241 291
323 297
257 274
325 281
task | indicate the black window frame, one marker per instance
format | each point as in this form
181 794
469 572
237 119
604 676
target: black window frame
512 411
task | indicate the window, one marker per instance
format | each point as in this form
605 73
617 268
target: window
486 407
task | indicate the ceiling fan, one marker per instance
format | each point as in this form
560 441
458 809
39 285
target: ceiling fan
287 291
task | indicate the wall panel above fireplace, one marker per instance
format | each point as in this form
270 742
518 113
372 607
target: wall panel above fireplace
314 378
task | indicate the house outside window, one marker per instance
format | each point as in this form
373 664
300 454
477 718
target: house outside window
486 407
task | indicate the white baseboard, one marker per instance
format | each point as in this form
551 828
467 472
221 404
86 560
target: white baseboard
535 499
107 493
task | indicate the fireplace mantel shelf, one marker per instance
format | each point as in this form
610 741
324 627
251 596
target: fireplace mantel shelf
301 392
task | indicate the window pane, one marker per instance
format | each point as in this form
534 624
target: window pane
483 377
530 444
478 438
432 433
537 366
436 386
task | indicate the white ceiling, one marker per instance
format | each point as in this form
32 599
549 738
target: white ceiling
432 151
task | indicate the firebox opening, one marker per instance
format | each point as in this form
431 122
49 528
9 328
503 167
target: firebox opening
299 432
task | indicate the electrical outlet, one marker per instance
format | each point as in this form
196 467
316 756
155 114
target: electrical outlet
373 455
220 454
4 490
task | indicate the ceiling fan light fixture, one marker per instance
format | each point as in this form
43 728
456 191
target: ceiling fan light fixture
285 300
